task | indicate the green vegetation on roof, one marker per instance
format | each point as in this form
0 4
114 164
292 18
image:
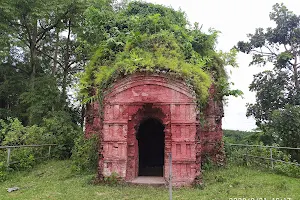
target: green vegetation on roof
144 37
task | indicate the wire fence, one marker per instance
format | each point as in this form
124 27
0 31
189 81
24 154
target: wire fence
10 151
267 153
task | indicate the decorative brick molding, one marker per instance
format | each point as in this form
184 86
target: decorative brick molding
138 97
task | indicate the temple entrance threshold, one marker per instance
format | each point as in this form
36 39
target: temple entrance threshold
149 180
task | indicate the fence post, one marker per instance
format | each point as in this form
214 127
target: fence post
8 156
271 156
246 156
49 151
170 175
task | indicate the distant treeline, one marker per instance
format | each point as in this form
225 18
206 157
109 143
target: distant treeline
246 137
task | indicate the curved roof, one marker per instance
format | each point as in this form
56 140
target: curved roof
149 88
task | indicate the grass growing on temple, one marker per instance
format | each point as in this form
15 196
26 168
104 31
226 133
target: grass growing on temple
54 180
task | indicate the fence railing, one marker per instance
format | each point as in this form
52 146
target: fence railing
9 151
271 158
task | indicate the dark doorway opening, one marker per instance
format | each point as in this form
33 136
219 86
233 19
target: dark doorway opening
151 142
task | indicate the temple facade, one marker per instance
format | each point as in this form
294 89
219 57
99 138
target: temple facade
145 118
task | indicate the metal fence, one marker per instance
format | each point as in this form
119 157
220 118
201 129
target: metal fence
271 156
9 151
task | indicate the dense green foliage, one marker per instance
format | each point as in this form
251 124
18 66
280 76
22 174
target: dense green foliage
56 129
277 91
279 45
284 126
36 60
85 154
37 66
144 37
249 156
39 55
246 137
238 154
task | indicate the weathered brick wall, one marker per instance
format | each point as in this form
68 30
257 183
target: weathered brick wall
92 119
136 97
211 133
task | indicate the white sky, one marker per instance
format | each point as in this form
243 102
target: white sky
235 19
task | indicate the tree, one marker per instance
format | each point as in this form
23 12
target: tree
38 45
281 47
61 48
277 91
41 50
285 125
27 24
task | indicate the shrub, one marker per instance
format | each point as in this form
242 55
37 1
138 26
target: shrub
207 163
26 158
12 132
284 126
235 155
288 169
60 130
112 180
85 154
250 156
3 172
57 128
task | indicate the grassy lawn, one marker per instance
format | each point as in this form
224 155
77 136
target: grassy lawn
53 180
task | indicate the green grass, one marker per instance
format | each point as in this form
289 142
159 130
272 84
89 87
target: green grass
54 180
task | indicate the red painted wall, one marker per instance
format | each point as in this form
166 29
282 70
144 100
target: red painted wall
141 96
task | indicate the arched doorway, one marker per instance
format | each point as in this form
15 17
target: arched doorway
151 145
127 107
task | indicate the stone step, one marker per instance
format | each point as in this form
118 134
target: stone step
149 180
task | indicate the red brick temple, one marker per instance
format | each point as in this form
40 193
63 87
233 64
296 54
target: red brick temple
145 117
